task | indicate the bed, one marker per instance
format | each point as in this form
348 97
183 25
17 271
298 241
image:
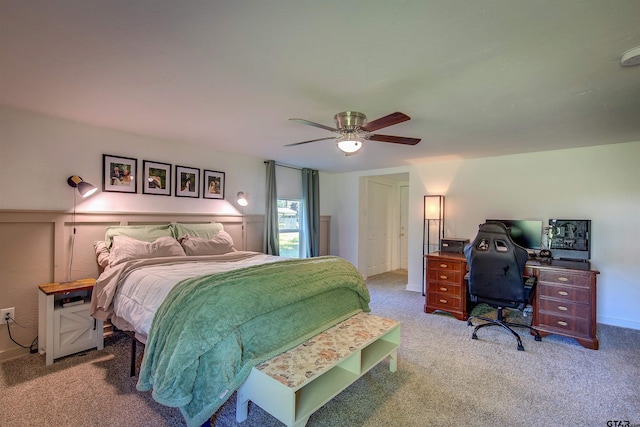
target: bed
208 313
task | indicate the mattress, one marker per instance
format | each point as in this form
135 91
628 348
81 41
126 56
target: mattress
142 290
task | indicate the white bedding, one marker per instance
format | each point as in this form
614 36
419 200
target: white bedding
141 292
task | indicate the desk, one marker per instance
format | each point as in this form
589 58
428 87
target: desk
564 303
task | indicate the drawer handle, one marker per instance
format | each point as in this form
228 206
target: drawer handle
562 323
562 307
563 279
443 266
444 301
563 293
444 289
443 277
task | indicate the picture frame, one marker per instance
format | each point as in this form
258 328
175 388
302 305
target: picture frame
119 174
187 182
213 185
156 178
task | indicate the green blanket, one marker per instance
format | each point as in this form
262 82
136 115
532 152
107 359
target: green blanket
211 330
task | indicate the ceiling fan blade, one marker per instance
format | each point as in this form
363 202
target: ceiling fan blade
311 140
318 125
386 121
394 139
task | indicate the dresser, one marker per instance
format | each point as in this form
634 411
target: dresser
564 303
446 290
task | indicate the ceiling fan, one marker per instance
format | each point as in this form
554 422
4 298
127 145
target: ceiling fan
354 130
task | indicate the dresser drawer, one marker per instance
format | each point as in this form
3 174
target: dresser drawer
581 280
437 264
568 293
445 289
564 324
444 302
444 276
564 308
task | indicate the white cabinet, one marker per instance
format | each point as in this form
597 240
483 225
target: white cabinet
67 330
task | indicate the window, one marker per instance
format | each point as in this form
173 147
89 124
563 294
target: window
289 227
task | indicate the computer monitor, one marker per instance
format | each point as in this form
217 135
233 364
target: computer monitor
525 233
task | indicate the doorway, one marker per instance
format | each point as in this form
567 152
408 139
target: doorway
383 242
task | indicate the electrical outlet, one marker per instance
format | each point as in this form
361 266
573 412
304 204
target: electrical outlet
3 314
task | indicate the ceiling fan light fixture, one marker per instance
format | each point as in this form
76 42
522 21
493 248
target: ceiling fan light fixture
354 129
349 144
630 57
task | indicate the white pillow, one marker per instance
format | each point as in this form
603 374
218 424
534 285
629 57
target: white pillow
219 244
126 249
102 253
204 231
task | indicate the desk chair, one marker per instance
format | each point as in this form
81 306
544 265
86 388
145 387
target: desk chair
496 267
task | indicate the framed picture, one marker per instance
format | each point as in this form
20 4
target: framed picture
213 187
187 181
156 178
119 174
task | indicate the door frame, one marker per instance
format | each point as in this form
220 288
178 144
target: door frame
395 180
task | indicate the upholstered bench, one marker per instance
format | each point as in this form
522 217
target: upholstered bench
295 384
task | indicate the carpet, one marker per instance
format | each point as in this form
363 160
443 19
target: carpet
443 378
512 316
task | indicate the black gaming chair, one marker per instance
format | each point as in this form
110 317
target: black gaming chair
496 267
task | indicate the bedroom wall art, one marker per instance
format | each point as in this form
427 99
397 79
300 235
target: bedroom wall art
119 174
213 186
187 182
156 178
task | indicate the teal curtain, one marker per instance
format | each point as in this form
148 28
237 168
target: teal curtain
311 211
271 234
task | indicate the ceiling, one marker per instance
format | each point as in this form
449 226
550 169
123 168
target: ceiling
478 78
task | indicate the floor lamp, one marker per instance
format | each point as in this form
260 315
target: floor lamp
433 230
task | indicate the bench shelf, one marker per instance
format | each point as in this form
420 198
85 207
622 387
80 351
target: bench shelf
295 384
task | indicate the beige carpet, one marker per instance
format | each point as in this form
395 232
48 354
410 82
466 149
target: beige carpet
444 379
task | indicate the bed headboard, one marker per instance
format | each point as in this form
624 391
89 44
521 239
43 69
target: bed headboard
45 239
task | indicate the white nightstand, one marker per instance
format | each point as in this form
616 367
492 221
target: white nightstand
64 330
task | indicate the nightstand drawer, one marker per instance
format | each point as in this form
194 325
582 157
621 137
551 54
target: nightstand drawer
564 308
77 330
564 278
569 293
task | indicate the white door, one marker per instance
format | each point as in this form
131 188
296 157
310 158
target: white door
378 226
404 218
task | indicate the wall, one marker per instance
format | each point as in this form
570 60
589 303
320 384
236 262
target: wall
39 153
600 183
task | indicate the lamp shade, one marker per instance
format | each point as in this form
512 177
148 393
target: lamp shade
433 207
242 198
84 188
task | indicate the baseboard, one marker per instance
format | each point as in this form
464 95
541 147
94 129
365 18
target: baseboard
622 323
13 353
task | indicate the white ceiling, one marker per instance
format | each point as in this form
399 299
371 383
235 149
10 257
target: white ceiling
478 78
